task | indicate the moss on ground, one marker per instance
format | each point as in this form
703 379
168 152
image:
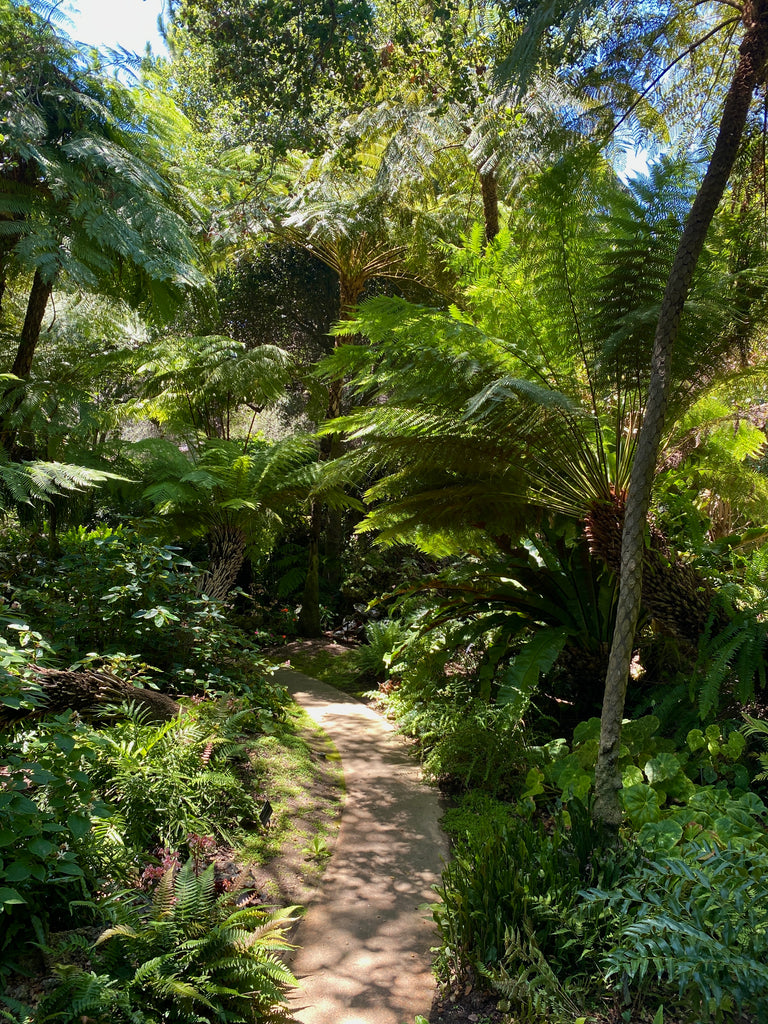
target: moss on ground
337 668
298 770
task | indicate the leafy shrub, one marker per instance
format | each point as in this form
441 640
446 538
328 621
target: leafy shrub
655 772
477 746
117 599
695 919
524 881
477 816
373 658
196 957
47 805
172 779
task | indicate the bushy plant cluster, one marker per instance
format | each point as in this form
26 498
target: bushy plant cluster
98 813
559 919
681 927
118 599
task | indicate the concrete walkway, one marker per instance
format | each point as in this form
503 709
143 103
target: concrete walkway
364 944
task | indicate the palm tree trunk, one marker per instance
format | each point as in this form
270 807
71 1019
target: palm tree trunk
749 73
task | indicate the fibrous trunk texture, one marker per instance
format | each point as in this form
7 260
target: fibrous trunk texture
226 546
673 593
88 692
749 72
490 194
33 323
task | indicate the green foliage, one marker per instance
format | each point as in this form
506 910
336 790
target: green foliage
82 162
291 63
514 900
47 807
696 920
210 385
464 741
383 637
196 957
659 778
117 598
731 661
174 779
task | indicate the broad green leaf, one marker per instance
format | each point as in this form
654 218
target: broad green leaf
10 896
659 835
641 803
661 768
41 847
584 731
521 677
18 871
632 776
78 825
695 740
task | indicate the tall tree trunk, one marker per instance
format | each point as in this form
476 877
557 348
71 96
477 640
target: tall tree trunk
333 532
309 616
22 364
490 194
749 73
33 324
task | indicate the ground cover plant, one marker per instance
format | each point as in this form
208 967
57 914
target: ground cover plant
364 315
108 816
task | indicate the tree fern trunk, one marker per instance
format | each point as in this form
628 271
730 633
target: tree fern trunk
749 72
673 593
226 556
490 194
33 323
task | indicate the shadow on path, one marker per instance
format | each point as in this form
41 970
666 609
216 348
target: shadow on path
364 956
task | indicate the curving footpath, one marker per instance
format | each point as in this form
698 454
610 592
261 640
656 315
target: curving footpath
364 944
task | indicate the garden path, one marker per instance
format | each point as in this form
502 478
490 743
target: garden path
363 955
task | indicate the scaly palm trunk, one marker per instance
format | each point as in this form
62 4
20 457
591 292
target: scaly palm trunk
749 73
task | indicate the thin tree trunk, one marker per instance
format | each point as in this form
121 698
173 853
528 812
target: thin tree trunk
749 72
331 448
309 616
33 324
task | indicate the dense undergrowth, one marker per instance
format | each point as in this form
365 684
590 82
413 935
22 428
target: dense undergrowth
124 895
665 922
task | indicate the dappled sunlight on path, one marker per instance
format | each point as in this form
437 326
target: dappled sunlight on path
364 956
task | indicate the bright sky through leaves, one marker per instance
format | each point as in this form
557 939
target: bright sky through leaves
114 23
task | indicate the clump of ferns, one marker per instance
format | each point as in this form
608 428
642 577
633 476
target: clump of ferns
196 956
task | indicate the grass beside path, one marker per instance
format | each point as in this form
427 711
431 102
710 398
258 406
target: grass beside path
329 662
